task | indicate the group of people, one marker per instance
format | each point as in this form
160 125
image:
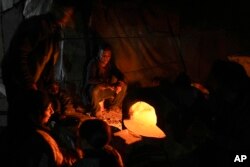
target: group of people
34 97
32 143
34 51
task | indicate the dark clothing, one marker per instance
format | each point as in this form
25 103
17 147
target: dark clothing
108 156
138 151
30 147
99 83
62 103
228 105
31 57
109 75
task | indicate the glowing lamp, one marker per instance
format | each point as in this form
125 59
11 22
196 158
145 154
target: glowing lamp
142 120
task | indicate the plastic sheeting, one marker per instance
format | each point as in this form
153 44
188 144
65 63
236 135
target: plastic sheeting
2 89
6 4
59 68
153 40
36 7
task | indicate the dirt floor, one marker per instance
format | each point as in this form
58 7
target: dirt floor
113 117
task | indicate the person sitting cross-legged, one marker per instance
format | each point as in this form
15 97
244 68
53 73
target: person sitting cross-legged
104 82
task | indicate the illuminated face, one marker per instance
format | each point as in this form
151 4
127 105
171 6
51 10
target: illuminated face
105 56
47 114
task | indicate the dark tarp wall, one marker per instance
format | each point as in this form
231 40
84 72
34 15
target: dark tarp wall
144 38
153 38
10 17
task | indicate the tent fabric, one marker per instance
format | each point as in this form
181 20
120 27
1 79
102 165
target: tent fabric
6 4
59 68
2 90
149 41
142 37
36 7
9 21
154 39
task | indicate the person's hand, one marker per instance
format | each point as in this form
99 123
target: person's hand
107 86
118 89
79 152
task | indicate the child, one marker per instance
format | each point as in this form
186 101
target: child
94 139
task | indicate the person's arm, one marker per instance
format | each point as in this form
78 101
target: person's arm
119 77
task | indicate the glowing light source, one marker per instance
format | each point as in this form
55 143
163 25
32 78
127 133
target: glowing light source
142 120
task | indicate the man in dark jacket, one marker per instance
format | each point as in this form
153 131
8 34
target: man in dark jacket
34 51
104 81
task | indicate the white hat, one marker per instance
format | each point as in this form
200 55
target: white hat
143 121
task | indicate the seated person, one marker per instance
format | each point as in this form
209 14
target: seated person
66 119
30 143
104 81
62 102
94 138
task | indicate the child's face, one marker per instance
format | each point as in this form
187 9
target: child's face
47 114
